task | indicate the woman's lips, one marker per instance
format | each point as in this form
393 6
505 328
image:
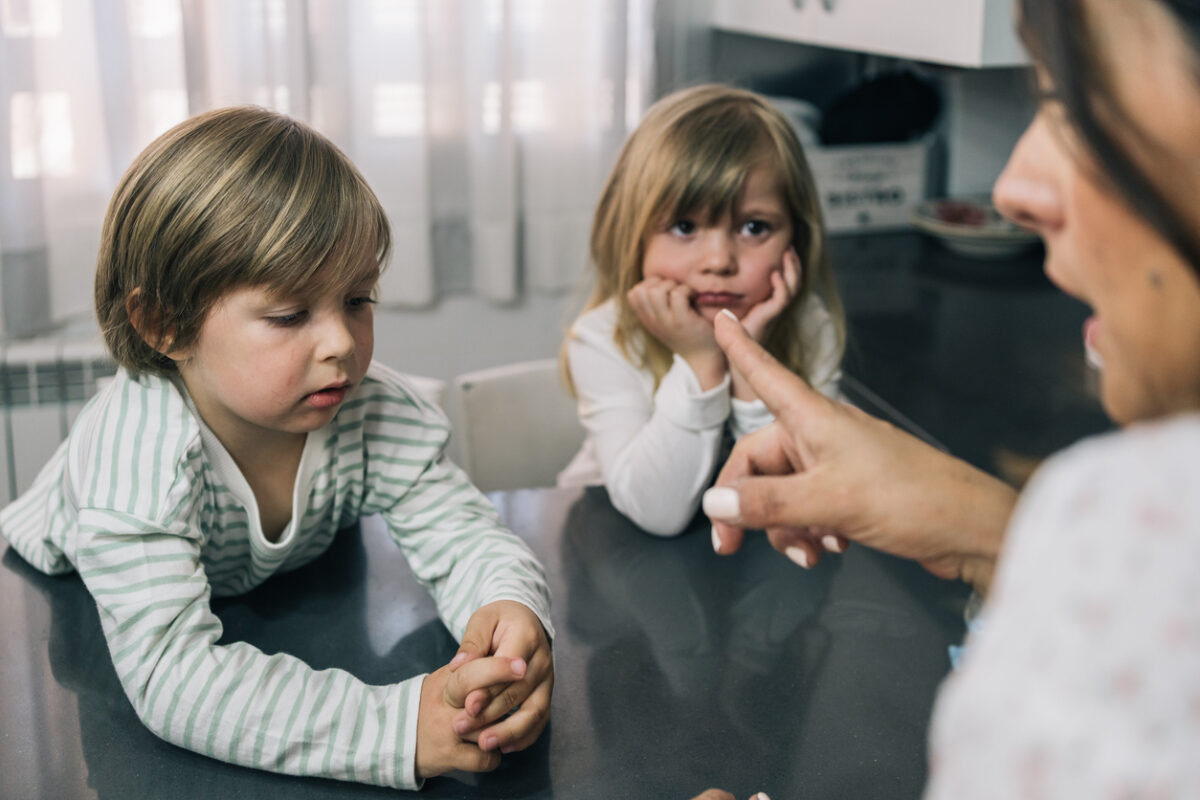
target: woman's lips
723 299
328 397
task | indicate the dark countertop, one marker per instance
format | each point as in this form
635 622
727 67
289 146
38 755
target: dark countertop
986 356
676 669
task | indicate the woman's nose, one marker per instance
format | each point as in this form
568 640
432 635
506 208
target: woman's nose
718 256
1027 191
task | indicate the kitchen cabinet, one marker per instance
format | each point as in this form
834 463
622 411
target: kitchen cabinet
967 33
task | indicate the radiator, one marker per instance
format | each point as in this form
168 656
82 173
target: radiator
43 385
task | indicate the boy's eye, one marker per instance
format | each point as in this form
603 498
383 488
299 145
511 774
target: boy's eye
287 320
683 227
359 302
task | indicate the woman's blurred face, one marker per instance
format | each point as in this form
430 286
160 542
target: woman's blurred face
1145 298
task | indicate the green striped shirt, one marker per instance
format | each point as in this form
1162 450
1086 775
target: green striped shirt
150 509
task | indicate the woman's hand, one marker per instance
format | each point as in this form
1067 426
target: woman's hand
520 708
784 285
665 309
828 468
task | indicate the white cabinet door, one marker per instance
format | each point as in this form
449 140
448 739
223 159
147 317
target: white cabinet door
970 33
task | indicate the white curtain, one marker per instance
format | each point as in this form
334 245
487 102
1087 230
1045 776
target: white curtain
485 126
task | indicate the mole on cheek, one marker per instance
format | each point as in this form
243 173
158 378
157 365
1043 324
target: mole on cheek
1155 278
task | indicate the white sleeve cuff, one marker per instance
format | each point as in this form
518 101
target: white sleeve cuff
681 400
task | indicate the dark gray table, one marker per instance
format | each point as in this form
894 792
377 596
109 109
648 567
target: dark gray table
676 669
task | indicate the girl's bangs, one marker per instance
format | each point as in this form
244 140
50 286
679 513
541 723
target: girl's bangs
707 182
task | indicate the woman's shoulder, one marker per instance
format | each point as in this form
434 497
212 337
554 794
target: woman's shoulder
1119 490
1156 453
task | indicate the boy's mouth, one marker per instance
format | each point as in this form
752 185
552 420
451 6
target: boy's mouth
329 396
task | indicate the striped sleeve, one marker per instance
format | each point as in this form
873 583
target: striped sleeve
146 513
449 532
230 702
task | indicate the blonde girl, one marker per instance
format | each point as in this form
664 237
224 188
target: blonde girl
711 206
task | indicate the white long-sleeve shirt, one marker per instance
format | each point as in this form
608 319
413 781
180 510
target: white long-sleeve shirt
1083 680
144 502
654 450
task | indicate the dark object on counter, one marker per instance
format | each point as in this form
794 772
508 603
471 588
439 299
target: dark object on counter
897 107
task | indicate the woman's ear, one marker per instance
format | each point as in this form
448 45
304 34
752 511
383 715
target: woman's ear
150 329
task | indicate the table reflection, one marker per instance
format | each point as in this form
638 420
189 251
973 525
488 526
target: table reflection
676 669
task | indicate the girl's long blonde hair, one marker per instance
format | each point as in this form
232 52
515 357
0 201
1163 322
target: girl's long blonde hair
690 156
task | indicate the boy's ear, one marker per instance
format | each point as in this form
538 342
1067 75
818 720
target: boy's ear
149 328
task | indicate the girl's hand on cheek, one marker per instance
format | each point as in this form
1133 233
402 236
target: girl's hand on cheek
665 309
784 285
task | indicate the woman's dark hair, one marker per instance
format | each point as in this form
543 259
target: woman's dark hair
1057 35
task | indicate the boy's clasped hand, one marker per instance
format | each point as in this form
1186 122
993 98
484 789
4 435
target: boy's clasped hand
492 698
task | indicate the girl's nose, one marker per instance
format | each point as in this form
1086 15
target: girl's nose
1027 191
718 257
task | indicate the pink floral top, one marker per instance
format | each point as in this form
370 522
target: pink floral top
1084 680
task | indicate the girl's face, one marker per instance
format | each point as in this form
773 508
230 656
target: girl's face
726 263
265 365
1146 299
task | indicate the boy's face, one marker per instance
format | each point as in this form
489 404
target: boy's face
266 364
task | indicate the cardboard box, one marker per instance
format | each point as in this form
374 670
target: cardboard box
871 187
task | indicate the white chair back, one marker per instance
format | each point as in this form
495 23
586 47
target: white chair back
517 425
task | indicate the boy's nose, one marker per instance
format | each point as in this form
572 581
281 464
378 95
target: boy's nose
718 257
336 340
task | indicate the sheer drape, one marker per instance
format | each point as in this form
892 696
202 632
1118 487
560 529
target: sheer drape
485 126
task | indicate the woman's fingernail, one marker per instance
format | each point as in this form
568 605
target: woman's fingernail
831 543
761 796
458 659
518 667
488 743
797 554
721 503
461 726
730 314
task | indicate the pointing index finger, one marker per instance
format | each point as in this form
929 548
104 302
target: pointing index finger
785 394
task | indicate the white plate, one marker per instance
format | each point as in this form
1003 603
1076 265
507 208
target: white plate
972 226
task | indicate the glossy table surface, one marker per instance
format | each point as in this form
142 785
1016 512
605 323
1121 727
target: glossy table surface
676 669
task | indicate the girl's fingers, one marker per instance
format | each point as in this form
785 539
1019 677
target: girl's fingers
791 271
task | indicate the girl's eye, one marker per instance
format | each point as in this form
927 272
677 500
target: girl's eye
361 302
684 227
287 320
756 227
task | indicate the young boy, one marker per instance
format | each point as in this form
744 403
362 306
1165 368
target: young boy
238 261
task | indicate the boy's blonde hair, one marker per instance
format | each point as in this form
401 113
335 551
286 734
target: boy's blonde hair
690 157
234 197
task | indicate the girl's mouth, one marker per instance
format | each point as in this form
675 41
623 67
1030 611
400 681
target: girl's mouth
722 299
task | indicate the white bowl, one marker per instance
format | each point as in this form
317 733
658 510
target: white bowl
972 226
